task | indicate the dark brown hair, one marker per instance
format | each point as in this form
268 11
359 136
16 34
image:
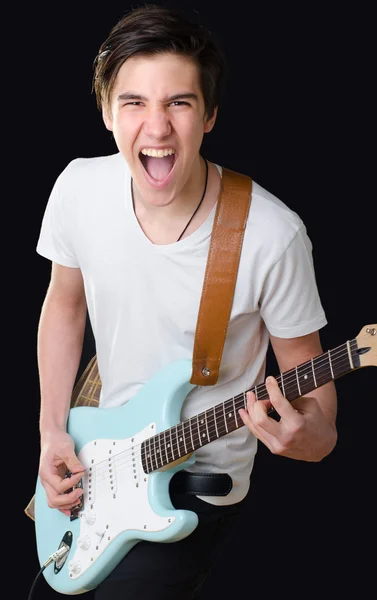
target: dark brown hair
152 29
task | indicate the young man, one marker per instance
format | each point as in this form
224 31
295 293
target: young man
128 236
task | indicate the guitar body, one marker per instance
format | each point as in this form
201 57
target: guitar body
130 454
122 504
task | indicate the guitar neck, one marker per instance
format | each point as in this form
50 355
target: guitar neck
189 435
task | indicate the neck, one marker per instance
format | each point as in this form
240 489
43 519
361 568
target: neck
184 438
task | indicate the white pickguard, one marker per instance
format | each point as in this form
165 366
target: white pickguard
115 498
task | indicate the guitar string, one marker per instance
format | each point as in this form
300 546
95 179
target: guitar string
210 422
288 387
210 426
122 464
121 469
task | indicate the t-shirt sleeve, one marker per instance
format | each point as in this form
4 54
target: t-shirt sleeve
53 242
290 304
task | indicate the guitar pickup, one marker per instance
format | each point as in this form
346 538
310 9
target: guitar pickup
75 509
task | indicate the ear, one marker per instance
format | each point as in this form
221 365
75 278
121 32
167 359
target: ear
209 123
107 118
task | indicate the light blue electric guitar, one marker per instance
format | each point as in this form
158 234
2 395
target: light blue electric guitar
131 453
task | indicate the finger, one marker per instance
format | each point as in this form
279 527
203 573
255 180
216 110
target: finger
59 484
68 482
69 506
62 500
281 405
256 423
245 412
73 464
66 509
255 417
258 420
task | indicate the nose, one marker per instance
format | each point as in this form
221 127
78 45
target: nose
157 124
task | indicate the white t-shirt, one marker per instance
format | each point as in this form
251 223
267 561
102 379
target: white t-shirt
143 298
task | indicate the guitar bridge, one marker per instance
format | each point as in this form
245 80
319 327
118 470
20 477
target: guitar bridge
75 509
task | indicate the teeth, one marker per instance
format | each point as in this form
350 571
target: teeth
158 153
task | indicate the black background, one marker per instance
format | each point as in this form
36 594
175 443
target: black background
298 117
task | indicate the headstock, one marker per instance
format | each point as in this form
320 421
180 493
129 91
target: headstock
367 338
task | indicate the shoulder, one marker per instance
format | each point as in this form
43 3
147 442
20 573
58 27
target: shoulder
271 222
87 184
268 210
85 173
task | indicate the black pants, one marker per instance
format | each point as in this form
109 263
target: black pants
176 570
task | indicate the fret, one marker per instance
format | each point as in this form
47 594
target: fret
298 382
159 451
291 387
155 453
235 413
180 439
214 418
171 445
330 363
244 400
187 436
198 429
184 437
313 371
256 392
226 424
206 420
203 428
350 355
144 457
324 368
150 454
282 383
166 450
176 435
306 376
232 415
203 434
192 441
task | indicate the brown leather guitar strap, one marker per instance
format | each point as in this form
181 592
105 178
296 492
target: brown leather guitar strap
220 277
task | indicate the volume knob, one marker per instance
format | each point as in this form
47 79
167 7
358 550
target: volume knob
90 516
84 542
74 566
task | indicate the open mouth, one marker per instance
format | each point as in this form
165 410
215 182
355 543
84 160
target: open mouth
158 167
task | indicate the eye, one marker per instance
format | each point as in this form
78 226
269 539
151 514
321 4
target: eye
134 103
178 103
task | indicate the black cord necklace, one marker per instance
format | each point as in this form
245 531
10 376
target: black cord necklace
201 200
197 208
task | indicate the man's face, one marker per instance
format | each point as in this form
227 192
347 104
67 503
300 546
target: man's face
157 107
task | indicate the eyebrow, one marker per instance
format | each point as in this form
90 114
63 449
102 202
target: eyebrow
135 96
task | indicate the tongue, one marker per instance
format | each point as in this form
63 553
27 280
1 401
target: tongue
158 168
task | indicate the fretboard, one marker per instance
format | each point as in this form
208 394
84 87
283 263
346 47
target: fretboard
193 433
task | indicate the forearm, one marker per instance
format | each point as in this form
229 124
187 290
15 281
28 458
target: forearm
327 400
60 338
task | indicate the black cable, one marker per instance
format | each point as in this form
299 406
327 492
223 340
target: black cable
60 553
35 582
